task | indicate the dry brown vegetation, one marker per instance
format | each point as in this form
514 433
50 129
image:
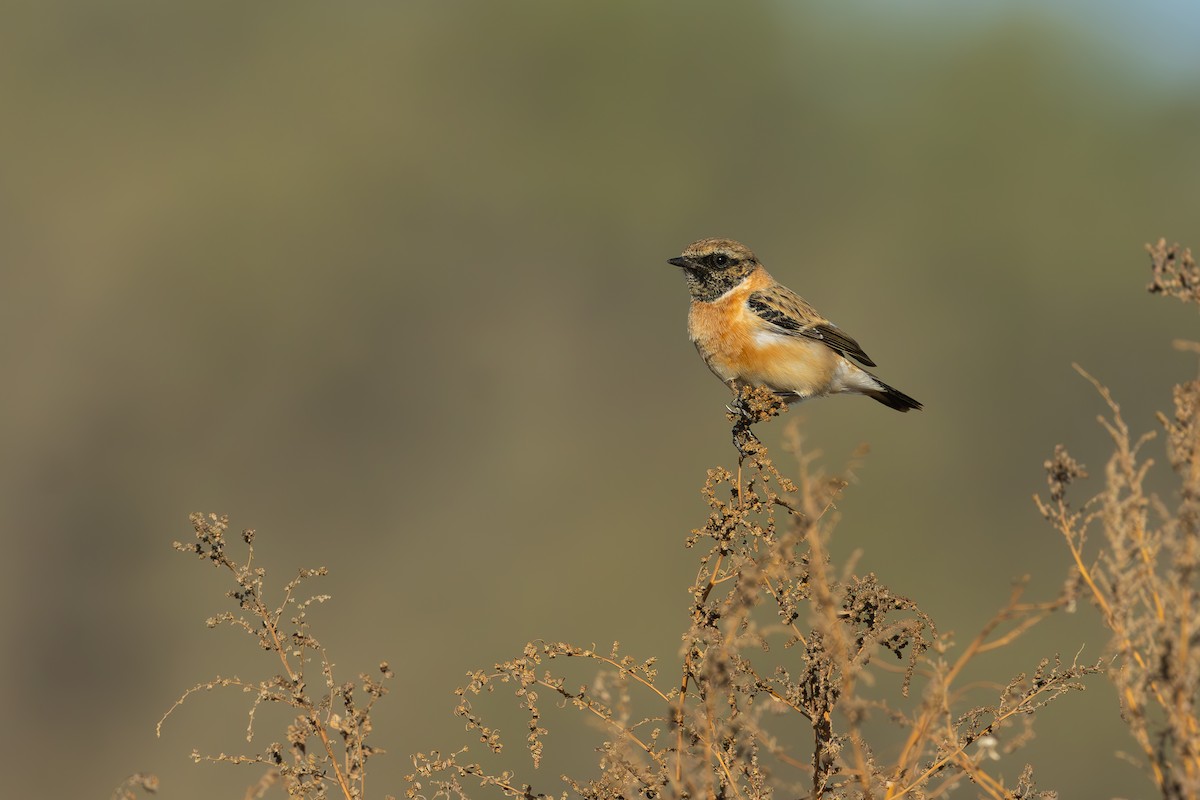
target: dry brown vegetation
1142 573
326 742
797 676
778 632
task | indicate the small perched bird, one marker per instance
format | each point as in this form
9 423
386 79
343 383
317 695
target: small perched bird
752 330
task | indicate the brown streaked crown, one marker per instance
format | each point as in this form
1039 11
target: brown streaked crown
714 266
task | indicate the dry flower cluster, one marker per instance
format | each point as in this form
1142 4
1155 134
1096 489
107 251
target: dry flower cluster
779 639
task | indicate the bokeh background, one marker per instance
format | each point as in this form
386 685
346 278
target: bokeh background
387 282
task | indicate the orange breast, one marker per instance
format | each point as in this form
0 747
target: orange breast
739 346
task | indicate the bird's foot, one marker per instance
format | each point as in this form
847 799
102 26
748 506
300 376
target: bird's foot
752 404
738 410
746 443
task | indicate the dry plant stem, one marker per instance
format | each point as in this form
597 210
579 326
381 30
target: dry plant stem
1075 536
958 752
278 646
687 664
591 706
911 751
627 673
1029 615
270 623
828 606
993 787
313 766
771 590
273 630
741 430
1131 702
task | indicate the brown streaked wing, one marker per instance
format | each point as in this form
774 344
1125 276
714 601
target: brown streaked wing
787 311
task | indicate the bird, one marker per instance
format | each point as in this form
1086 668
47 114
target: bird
752 330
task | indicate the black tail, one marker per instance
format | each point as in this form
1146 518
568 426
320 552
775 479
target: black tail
892 398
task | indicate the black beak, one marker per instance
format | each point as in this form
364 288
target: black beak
680 261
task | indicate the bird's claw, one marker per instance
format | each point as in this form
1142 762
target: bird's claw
746 443
739 408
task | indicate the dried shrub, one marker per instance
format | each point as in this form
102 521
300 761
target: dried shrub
1141 571
851 650
326 743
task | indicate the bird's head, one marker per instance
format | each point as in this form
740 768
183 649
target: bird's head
714 266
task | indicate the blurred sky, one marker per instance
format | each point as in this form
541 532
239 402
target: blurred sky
1157 36
388 283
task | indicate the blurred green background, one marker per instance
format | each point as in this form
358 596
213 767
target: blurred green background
387 282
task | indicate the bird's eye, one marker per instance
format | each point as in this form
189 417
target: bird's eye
721 260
